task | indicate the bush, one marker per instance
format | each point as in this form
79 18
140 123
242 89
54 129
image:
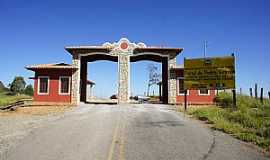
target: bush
224 99
244 119
264 132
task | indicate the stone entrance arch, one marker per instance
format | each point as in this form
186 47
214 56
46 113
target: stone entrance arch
123 52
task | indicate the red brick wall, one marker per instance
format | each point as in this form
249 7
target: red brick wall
53 95
193 96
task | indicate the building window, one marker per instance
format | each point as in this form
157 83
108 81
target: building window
64 85
181 90
43 85
204 92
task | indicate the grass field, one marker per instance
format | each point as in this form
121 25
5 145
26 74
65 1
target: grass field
250 122
6 98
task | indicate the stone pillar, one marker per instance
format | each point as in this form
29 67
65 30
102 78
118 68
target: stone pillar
75 92
123 79
172 81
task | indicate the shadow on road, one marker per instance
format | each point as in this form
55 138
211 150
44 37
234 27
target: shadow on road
160 124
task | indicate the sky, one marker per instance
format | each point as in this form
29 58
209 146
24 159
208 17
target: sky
33 32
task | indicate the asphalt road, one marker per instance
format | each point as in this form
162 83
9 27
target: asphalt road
131 132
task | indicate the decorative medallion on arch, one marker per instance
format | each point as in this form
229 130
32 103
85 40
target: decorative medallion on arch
123 47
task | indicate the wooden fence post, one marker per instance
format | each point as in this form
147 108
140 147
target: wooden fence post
250 92
240 91
256 91
261 97
234 99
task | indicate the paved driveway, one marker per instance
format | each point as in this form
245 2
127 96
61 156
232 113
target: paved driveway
131 132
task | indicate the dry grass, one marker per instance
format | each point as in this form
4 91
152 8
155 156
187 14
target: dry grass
7 98
250 122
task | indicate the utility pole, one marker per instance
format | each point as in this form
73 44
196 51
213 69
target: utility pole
205 45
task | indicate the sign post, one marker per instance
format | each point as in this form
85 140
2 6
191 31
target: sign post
185 100
234 98
212 73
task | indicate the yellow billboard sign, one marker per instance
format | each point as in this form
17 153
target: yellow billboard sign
209 73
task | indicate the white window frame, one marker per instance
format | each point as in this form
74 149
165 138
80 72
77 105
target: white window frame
48 85
178 89
203 94
59 85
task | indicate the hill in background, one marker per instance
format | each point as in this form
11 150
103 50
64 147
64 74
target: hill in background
2 87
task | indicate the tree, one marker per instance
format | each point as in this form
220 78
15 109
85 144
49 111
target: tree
154 77
17 85
29 90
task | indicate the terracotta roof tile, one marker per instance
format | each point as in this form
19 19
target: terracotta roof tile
51 66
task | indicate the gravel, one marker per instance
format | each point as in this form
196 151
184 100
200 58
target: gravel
16 125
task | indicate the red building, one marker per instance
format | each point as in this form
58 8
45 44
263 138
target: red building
52 82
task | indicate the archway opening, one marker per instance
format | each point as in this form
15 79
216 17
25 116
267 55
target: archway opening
99 79
149 78
145 78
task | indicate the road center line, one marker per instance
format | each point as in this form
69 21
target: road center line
110 155
122 144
